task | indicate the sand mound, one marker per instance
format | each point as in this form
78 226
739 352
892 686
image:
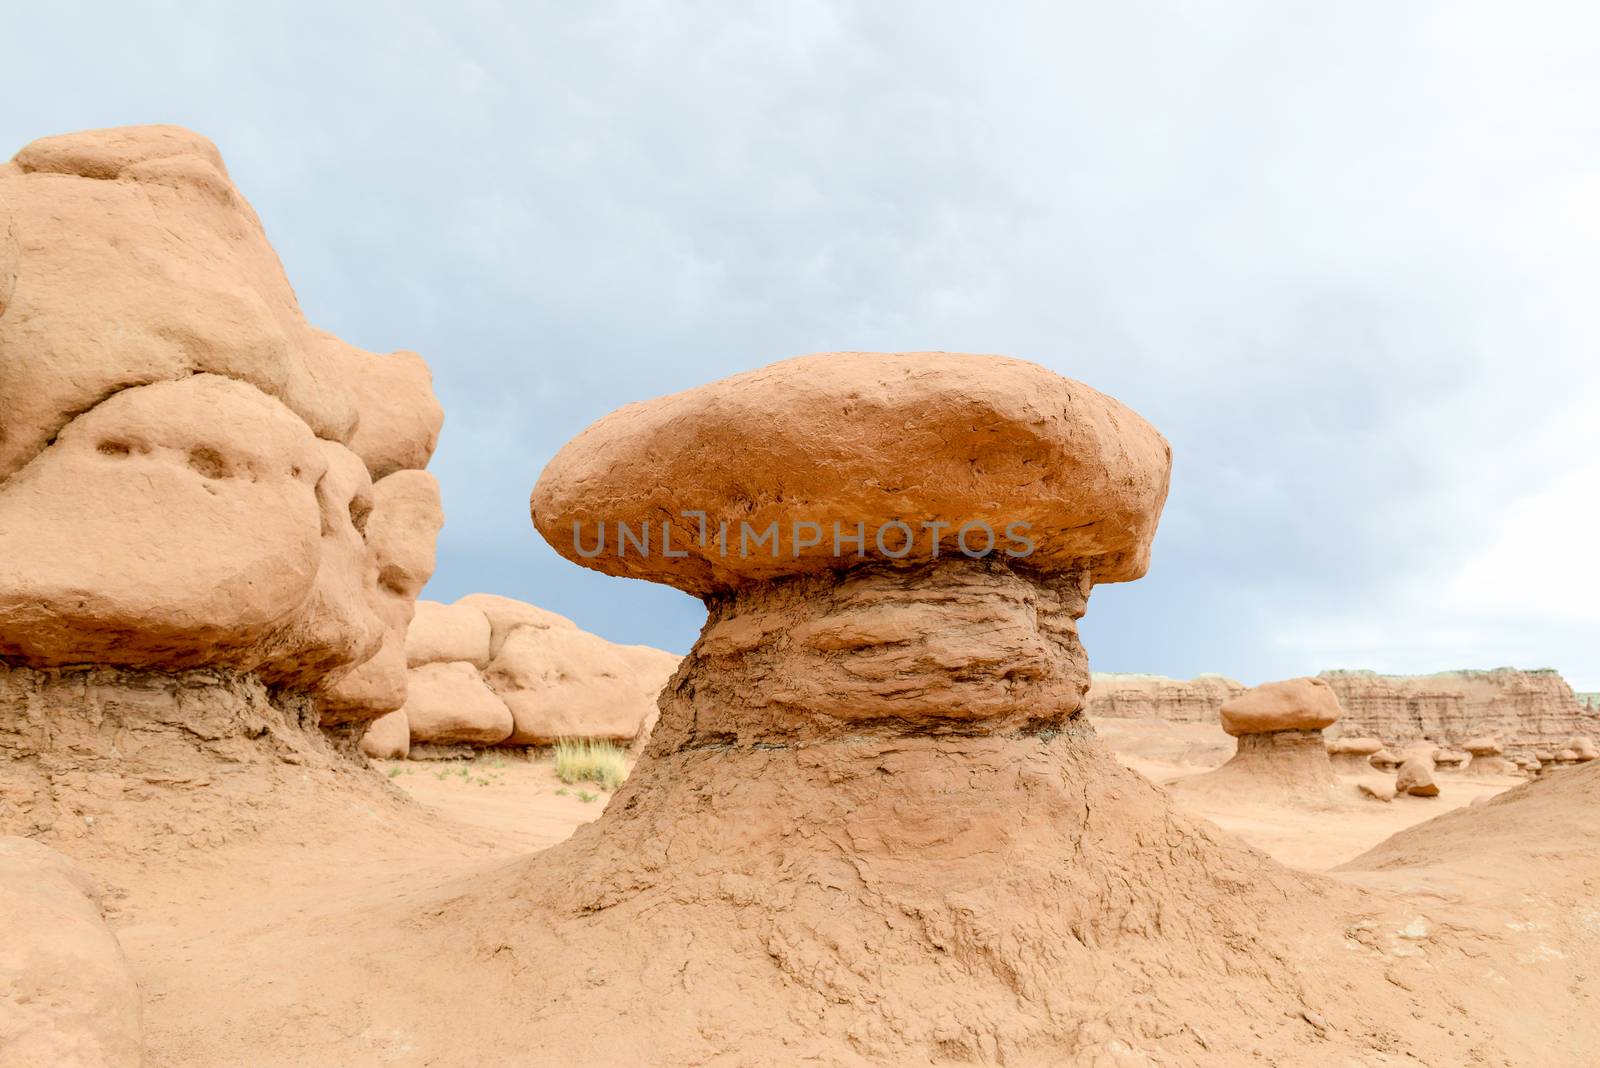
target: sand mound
1538 835
67 999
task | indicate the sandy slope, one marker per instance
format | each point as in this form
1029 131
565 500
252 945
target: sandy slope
238 949
207 938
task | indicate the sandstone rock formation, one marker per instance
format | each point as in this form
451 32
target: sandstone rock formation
1376 789
1281 752
405 521
1353 755
388 737
850 746
562 682
1384 760
490 670
1415 776
1487 757
443 632
1584 747
188 500
1195 700
448 704
67 999
1526 710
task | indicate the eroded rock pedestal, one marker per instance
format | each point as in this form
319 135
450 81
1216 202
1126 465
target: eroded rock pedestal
873 824
1281 754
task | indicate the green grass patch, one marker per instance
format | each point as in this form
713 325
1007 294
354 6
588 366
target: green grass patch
586 760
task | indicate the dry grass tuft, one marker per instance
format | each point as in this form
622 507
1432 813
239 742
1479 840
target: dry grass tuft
587 760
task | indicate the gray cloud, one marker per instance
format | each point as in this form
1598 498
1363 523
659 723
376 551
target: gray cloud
1344 256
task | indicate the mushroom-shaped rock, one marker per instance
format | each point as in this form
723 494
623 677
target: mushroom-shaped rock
441 632
448 704
1353 755
871 733
1487 757
1584 747
1415 777
891 537
388 737
1280 749
1384 760
1450 759
1565 757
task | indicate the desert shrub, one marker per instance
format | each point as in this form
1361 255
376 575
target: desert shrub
586 760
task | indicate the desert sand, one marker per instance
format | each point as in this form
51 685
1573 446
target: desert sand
208 939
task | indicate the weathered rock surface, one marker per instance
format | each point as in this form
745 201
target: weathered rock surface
67 999
157 763
562 682
507 614
1286 705
186 465
447 632
448 704
1526 710
404 524
1415 777
876 439
1196 700
388 737
1352 755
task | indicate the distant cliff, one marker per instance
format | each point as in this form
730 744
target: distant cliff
1194 700
1526 710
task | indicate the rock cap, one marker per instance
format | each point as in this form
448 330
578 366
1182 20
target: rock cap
821 462
1288 705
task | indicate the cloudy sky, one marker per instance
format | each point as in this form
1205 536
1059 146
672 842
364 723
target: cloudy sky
1345 256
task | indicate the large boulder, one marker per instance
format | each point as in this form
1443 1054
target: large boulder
441 632
562 682
506 614
1290 705
388 737
187 465
402 528
67 998
1415 777
448 704
172 525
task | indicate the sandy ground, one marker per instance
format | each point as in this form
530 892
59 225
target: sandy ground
204 937
520 801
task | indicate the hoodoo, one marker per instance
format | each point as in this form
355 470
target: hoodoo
1281 753
873 824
